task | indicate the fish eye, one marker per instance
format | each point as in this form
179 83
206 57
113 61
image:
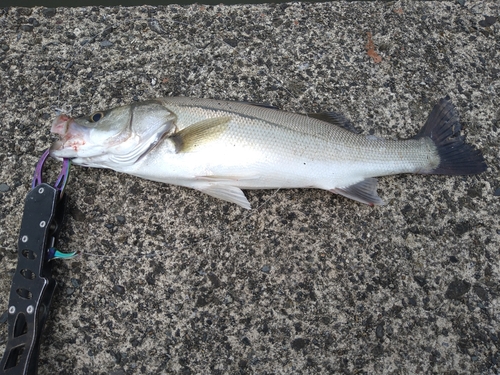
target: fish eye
96 116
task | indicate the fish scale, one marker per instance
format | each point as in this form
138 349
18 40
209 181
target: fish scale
220 147
308 140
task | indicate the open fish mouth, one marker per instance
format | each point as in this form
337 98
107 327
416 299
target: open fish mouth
71 137
60 124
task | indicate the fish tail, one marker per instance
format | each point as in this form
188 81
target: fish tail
456 156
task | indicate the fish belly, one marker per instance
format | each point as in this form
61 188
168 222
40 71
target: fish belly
254 165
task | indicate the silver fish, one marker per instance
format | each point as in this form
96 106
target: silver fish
220 147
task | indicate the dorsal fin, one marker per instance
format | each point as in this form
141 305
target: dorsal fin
287 120
335 119
263 105
330 117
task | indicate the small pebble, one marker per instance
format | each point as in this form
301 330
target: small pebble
488 21
496 193
299 343
456 289
266 268
106 43
118 289
120 219
4 188
27 28
34 22
420 280
25 11
228 299
49 12
379 331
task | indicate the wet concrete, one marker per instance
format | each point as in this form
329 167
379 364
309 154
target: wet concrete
173 281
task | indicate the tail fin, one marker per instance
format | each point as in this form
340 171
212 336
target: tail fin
457 157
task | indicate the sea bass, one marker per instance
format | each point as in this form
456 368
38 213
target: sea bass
221 147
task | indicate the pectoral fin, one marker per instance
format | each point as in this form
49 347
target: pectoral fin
199 133
227 193
364 192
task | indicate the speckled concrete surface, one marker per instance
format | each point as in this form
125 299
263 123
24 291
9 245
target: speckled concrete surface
173 281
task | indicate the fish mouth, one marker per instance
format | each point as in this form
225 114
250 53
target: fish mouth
71 138
60 124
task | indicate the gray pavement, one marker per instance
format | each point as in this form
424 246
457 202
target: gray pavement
173 281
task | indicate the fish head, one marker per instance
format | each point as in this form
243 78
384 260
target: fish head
112 138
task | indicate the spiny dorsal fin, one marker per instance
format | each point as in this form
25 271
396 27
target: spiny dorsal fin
331 117
335 119
199 133
262 105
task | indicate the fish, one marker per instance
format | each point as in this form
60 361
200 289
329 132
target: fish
223 147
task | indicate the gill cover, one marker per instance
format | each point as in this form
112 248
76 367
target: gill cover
113 138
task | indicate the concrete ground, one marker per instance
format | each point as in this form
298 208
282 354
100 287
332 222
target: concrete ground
173 281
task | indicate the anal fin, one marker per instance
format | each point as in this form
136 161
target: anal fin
227 193
364 192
